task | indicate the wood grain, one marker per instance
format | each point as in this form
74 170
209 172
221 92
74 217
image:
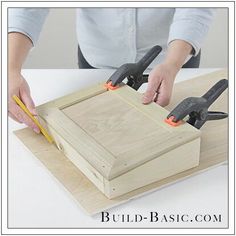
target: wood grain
75 97
113 138
175 161
76 138
126 131
213 151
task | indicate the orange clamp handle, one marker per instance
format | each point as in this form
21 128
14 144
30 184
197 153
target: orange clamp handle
110 86
171 122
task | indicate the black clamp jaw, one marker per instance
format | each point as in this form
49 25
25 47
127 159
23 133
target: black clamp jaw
197 107
134 71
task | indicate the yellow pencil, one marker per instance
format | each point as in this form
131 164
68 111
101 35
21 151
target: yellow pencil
25 109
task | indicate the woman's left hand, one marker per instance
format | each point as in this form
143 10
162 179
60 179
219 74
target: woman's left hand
160 84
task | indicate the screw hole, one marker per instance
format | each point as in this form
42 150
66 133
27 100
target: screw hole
94 174
60 147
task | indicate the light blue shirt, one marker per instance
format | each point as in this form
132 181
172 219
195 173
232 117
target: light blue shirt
110 37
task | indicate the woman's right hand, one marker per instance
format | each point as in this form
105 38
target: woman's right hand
19 87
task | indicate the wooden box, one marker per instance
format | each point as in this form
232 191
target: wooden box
116 141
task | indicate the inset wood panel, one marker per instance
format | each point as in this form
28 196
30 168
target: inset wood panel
123 129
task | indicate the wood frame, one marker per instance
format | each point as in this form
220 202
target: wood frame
99 165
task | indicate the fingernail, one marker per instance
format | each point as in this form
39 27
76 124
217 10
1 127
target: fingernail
144 99
36 130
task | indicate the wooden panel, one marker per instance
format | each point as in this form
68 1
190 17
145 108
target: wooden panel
154 112
77 138
77 159
118 139
75 97
175 161
214 146
126 130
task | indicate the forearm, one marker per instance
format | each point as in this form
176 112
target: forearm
19 46
177 52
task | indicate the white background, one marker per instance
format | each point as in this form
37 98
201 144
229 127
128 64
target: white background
57 46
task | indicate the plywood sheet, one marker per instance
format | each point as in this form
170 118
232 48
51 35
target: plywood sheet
213 151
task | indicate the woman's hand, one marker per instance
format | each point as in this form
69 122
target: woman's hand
161 78
160 84
18 48
19 87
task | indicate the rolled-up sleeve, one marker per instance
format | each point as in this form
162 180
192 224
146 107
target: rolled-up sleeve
191 25
28 21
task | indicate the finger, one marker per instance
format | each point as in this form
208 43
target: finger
13 117
27 100
21 116
163 94
148 96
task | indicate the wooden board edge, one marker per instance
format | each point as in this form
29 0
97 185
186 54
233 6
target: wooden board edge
133 98
75 97
186 157
219 73
153 189
82 145
79 161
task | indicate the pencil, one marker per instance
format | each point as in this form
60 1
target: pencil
25 109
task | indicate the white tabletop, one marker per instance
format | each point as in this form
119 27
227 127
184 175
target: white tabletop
36 199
